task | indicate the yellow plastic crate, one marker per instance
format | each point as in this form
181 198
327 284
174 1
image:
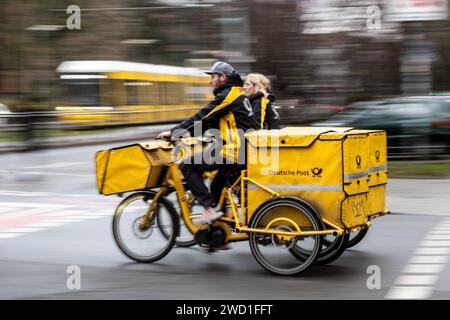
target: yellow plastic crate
133 167
327 167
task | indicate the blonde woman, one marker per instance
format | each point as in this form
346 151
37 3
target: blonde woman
257 88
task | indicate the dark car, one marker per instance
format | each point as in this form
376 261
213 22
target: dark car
416 126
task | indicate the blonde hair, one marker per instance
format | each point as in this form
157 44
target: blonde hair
261 83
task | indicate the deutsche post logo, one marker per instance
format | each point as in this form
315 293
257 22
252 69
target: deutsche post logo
377 155
316 172
358 161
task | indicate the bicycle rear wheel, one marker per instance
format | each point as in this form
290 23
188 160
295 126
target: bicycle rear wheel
355 239
272 251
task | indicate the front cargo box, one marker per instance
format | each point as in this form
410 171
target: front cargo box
133 167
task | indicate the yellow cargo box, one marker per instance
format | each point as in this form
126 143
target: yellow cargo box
378 172
327 167
133 167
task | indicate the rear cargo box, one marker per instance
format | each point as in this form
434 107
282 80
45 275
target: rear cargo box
326 167
378 173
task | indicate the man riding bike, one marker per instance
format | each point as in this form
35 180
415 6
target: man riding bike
231 114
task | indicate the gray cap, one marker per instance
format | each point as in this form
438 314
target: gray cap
221 68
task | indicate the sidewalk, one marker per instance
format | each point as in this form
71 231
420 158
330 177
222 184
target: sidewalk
419 196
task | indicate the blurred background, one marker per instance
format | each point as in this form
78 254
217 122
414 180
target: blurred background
78 76
85 71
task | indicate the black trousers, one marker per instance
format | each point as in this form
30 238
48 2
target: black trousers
195 182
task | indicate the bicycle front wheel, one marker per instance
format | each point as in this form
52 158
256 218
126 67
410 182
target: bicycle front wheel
185 239
145 243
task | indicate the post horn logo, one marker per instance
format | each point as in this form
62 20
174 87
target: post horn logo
316 171
377 155
358 161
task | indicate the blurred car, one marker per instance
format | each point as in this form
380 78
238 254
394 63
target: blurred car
299 114
416 126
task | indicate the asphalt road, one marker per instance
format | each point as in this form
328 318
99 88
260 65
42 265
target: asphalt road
51 218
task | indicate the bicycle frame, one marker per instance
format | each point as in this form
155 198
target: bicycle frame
231 220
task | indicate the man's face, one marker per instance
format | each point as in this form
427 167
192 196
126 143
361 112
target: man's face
217 80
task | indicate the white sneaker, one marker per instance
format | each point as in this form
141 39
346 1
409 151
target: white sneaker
208 216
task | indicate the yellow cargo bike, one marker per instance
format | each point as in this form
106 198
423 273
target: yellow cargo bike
301 194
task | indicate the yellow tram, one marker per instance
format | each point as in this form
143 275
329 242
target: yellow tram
118 92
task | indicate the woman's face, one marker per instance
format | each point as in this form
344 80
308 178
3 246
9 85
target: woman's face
249 88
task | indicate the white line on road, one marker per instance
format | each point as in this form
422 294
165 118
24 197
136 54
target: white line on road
440 232
46 194
416 280
48 224
409 292
43 173
9 235
66 220
7 210
35 205
428 259
56 165
435 243
438 237
33 217
23 230
87 217
432 251
423 268
442 227
23 213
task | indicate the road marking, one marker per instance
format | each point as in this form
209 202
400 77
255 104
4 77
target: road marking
34 205
26 218
442 227
46 194
9 235
104 213
432 251
48 224
7 210
423 268
42 173
438 237
440 232
435 243
421 274
416 280
56 165
65 220
19 214
23 230
428 259
92 217
409 293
